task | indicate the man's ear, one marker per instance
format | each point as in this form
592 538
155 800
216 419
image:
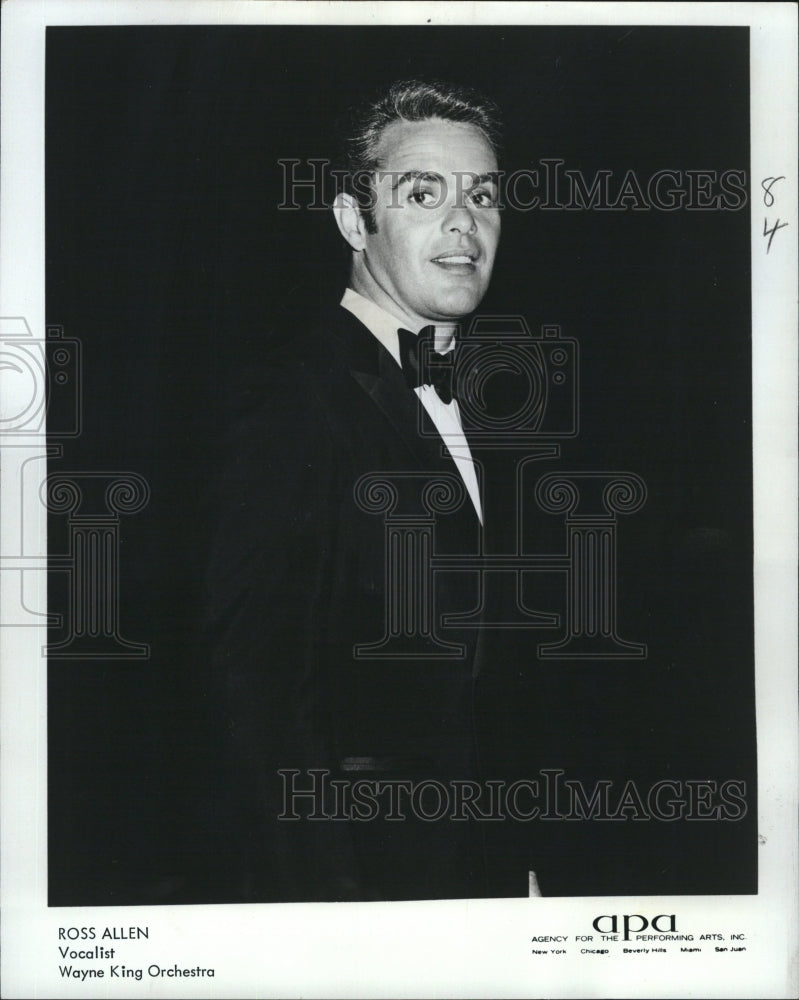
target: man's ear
349 220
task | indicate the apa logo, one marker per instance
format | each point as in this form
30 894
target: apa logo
612 927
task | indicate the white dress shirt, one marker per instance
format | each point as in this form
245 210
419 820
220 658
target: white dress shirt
445 416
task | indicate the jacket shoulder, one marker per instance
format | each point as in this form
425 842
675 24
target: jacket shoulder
293 363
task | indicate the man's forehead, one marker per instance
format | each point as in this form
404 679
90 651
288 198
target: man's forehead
435 145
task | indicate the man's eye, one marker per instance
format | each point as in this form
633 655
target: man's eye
422 196
484 199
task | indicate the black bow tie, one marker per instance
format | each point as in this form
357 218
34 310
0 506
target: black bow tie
421 365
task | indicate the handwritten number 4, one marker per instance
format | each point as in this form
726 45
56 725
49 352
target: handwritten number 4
768 200
770 232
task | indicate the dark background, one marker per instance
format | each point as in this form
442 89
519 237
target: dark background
168 259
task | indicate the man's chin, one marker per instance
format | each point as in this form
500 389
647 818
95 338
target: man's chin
455 306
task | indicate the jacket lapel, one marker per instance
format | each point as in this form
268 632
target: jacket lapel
404 411
379 376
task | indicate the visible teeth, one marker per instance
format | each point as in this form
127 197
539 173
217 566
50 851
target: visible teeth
455 260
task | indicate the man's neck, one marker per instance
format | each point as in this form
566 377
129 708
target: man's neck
377 318
363 283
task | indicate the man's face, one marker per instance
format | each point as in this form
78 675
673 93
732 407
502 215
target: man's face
437 221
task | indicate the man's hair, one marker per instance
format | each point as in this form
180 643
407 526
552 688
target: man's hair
410 101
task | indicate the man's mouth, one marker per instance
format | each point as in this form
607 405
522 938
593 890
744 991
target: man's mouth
459 263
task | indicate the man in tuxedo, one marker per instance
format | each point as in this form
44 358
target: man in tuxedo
352 452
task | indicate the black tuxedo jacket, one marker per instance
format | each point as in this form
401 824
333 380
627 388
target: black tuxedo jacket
297 581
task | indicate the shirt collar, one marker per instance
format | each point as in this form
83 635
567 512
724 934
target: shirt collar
383 325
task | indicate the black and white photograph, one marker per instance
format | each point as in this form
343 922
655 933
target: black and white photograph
390 517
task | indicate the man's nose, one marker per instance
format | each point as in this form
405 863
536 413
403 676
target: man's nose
460 219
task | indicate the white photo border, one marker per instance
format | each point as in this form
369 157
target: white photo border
457 948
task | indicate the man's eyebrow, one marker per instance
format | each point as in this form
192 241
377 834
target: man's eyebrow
492 177
412 175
